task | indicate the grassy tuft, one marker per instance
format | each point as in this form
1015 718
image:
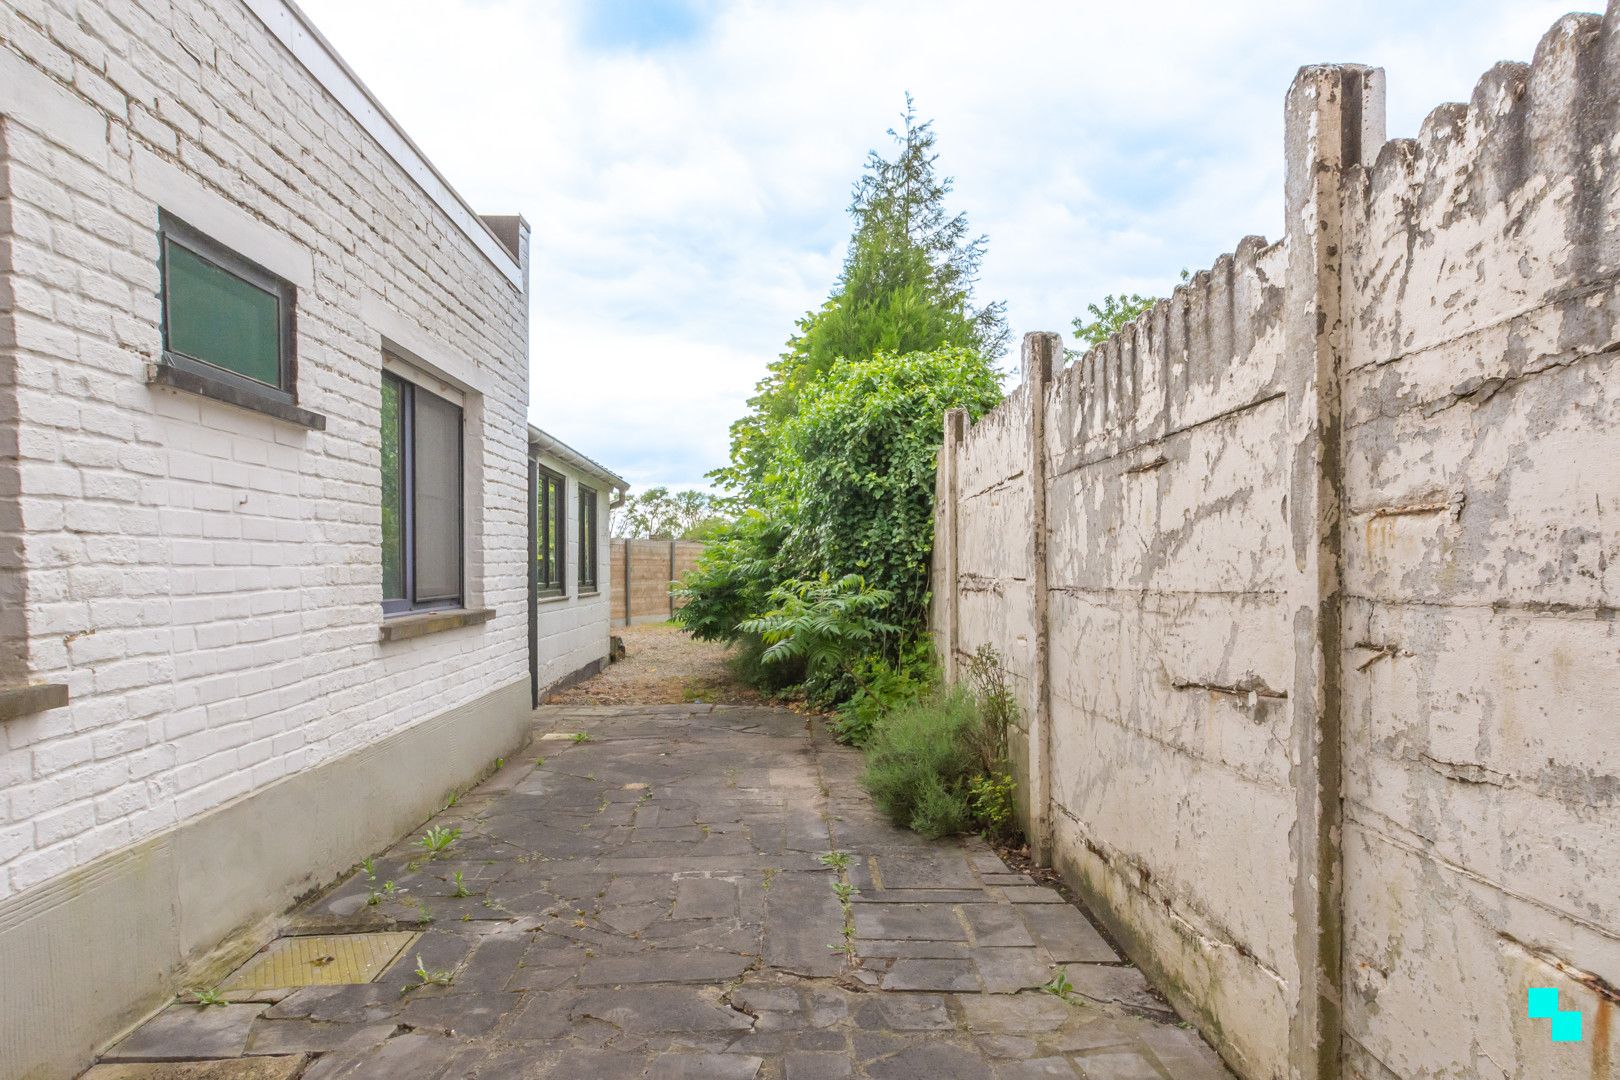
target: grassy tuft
921 760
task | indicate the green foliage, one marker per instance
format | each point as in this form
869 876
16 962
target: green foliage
1109 317
206 996
906 286
437 840
426 976
882 685
858 474
838 860
920 760
1112 315
994 802
937 764
836 457
998 709
749 667
733 578
661 514
1059 984
824 625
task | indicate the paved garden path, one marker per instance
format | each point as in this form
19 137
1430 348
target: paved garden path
652 902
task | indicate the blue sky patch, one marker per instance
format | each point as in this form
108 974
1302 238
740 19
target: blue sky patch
640 24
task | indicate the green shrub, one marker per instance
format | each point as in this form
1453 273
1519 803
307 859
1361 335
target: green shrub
937 763
857 467
881 686
748 666
733 578
993 799
826 626
921 760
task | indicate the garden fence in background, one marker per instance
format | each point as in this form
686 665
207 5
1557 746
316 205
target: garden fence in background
648 567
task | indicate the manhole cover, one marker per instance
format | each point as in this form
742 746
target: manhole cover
328 960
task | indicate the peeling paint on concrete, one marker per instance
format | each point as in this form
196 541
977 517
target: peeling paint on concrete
1332 571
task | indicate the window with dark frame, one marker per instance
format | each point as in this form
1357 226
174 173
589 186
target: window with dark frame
551 532
225 317
421 504
587 537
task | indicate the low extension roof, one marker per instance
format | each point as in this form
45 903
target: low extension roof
547 444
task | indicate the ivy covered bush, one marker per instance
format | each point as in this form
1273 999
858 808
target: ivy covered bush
860 457
828 579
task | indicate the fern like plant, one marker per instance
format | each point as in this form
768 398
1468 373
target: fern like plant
824 624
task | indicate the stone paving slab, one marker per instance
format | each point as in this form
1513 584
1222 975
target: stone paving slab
258 1068
651 903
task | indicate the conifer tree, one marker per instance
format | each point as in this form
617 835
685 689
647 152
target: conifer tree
906 286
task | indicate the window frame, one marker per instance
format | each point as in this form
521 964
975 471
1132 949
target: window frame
587 551
546 589
172 230
408 604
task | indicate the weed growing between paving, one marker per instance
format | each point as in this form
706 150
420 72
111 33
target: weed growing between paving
437 840
427 977
838 862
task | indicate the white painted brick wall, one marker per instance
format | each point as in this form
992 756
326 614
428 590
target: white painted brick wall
207 580
573 631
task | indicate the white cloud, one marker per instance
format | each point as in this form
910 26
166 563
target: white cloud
687 199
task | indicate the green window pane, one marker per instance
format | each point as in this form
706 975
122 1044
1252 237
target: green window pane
219 318
393 491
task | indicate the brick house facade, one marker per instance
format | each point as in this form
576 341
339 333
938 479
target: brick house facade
204 707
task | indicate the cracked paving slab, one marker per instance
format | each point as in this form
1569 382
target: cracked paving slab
649 902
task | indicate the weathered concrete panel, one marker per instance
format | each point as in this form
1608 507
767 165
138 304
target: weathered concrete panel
1332 571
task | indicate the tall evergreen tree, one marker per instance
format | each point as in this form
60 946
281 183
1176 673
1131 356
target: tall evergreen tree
906 286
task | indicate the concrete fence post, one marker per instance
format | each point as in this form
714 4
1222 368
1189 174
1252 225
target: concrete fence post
1334 116
948 539
1042 354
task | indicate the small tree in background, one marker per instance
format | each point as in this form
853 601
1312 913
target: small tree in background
661 514
1110 317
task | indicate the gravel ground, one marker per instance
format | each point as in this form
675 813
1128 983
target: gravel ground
662 666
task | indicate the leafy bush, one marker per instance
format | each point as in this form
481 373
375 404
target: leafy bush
826 626
882 686
733 578
748 666
994 802
938 764
857 467
921 760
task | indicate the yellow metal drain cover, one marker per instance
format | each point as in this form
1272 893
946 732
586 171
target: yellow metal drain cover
328 960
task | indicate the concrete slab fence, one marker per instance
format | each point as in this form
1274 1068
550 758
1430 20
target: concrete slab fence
642 572
1308 581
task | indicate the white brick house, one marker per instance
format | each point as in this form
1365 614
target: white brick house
572 497
240 314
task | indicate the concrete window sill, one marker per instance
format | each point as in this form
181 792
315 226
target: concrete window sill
243 398
422 623
583 593
30 698
551 598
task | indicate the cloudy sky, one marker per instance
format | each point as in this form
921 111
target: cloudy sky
686 164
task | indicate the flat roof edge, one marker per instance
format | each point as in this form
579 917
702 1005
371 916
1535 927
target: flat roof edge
289 25
553 445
